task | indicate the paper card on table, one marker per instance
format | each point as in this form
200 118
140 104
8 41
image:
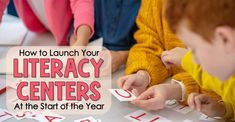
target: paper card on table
98 120
123 95
2 85
3 52
47 117
143 116
87 119
138 116
14 100
157 118
206 118
187 120
25 114
171 103
12 84
5 115
183 109
12 33
22 115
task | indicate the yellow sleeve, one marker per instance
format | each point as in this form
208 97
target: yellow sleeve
205 80
198 74
151 42
230 115
190 84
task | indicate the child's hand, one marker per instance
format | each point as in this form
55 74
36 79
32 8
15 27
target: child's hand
82 36
206 105
173 57
136 83
153 98
118 58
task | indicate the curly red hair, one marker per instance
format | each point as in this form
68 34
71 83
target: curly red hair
203 16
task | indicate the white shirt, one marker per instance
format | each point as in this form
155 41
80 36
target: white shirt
39 10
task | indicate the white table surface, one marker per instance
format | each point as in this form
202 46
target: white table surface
118 109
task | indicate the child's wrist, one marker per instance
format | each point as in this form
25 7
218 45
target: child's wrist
82 41
144 75
182 87
174 91
123 56
83 34
162 90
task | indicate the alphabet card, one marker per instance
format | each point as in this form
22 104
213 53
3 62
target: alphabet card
206 118
171 103
87 119
183 109
143 116
26 114
47 117
123 95
5 115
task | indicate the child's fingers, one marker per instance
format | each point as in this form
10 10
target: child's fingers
164 53
198 102
205 110
202 99
191 102
165 61
168 61
121 81
135 92
146 95
72 39
154 104
150 104
140 103
128 83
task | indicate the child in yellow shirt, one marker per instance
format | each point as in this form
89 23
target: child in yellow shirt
207 27
144 67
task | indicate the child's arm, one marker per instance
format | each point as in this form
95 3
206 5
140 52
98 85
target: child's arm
136 83
201 77
203 103
3 5
155 97
83 11
180 56
145 54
